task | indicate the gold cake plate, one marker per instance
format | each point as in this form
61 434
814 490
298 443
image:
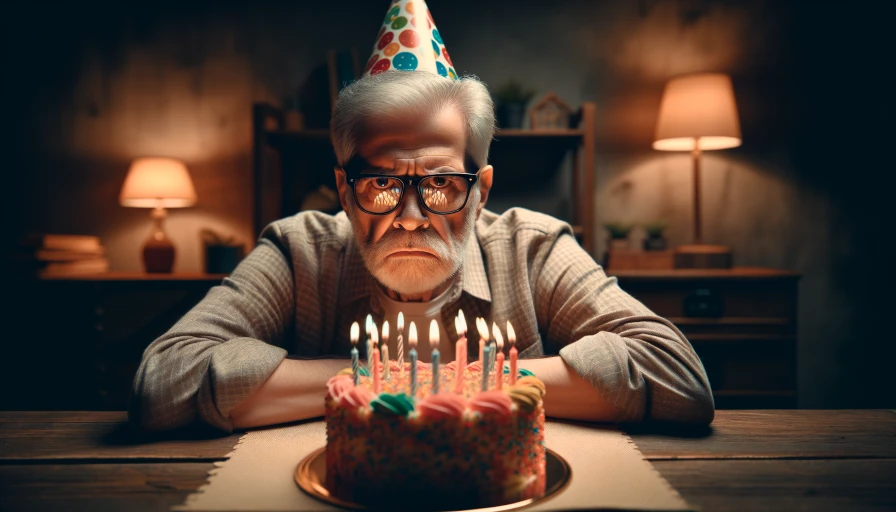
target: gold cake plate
311 475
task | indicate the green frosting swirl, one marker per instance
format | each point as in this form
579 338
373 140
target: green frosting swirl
348 371
522 372
363 371
388 403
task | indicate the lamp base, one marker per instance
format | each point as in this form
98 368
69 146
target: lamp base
702 256
158 251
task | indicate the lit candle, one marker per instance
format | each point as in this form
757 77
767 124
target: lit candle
400 343
368 327
511 337
499 360
412 341
486 353
482 327
375 341
386 350
460 351
356 374
434 342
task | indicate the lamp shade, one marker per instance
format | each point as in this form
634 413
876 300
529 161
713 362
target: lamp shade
158 182
698 108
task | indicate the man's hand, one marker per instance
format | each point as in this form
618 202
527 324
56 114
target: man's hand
295 391
568 395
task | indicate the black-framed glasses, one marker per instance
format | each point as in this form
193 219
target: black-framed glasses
442 194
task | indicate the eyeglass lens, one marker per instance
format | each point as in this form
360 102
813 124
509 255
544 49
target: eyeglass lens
439 193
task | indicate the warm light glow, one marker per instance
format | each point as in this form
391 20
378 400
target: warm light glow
499 340
460 324
700 108
412 335
482 327
374 334
157 182
511 334
400 322
356 332
434 334
386 330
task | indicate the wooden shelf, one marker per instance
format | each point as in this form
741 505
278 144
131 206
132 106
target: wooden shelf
139 276
771 393
689 274
736 337
728 321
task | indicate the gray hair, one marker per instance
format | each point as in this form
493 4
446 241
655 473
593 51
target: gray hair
392 92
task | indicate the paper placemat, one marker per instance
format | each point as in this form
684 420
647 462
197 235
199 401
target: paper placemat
608 472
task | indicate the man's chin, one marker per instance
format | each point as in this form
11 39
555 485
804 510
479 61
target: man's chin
411 278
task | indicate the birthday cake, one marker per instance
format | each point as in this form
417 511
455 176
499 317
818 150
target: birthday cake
460 448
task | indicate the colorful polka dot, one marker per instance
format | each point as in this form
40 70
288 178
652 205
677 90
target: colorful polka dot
385 40
452 74
409 38
371 62
441 69
405 61
382 65
437 36
391 49
410 7
392 14
435 49
445 54
399 22
382 31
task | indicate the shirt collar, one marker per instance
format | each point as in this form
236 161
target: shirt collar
358 282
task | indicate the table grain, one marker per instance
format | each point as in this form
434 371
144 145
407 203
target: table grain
746 460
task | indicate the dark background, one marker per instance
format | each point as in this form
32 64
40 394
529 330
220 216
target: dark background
90 86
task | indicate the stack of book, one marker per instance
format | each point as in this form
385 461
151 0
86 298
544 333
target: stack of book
52 255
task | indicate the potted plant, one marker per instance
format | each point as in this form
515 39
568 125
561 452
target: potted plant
619 232
511 99
655 241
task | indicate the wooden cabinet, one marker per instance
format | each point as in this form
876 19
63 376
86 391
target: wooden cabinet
77 341
741 322
288 165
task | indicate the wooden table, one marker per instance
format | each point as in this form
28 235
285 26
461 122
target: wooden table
747 460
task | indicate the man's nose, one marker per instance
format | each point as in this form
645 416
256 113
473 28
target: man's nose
411 215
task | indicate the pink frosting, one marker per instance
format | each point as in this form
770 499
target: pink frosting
394 366
452 366
442 406
357 396
475 366
338 385
492 402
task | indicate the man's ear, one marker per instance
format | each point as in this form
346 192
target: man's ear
485 185
342 188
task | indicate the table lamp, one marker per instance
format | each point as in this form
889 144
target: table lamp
158 183
697 114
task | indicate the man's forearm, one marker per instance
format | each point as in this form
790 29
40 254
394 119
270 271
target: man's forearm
295 391
568 395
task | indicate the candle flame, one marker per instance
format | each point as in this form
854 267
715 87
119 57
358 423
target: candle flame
412 335
483 329
497 335
374 335
511 334
461 323
368 324
356 331
386 331
400 322
434 334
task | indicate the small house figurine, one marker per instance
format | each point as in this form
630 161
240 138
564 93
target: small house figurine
551 113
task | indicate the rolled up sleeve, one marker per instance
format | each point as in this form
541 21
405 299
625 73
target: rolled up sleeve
222 350
639 362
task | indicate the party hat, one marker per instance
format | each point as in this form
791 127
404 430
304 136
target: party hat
409 41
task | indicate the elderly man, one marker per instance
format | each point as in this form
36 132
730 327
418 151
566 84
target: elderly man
415 237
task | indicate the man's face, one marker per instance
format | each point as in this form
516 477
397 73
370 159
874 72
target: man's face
411 250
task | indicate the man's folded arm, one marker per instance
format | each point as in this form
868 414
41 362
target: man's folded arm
222 350
640 363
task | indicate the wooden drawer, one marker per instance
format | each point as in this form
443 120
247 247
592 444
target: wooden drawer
741 322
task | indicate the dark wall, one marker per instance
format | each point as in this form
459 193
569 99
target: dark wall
89 87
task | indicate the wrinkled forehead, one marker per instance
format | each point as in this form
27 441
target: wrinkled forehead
435 134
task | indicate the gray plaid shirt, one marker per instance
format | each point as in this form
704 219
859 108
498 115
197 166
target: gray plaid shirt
303 285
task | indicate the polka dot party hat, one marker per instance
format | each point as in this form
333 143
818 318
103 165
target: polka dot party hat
409 41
